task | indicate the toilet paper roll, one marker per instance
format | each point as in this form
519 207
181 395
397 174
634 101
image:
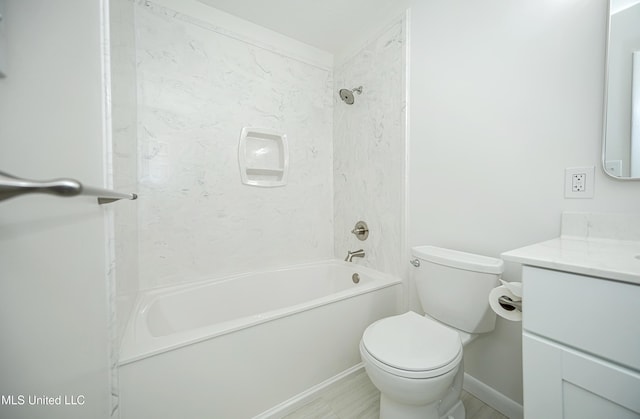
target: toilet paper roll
513 315
514 287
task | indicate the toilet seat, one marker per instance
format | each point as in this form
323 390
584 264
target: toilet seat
412 346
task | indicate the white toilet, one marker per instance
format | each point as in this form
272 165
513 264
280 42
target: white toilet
416 361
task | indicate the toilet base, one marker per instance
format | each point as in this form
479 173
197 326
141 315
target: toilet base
456 412
390 409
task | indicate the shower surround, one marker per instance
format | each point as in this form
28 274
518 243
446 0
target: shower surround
202 76
369 151
198 86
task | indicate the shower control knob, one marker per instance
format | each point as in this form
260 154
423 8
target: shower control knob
361 230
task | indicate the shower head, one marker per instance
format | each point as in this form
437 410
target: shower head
347 95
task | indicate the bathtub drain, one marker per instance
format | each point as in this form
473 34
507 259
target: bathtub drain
355 277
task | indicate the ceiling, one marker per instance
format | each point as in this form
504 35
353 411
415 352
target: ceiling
330 25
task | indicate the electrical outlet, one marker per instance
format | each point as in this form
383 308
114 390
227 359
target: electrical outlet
579 182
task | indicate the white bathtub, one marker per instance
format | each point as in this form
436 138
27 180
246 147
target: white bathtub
235 347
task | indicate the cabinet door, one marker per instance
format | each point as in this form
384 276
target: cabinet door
563 383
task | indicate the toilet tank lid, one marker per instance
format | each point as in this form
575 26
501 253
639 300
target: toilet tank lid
457 259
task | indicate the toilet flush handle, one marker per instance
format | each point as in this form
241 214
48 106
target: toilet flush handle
415 262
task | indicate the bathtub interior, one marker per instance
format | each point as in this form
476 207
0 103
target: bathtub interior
173 311
170 317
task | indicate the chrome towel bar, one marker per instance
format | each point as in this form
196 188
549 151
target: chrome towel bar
11 186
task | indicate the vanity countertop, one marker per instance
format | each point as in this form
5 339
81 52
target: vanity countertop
618 260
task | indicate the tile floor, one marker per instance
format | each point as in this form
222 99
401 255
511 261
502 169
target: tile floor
356 397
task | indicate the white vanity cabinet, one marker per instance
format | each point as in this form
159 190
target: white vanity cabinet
581 319
581 346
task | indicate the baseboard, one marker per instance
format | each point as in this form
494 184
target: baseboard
493 398
299 400
480 390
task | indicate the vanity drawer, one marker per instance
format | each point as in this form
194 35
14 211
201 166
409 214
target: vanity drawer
596 315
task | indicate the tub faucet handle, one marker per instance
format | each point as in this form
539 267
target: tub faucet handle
355 254
361 230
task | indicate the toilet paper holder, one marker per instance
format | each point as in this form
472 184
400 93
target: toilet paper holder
509 304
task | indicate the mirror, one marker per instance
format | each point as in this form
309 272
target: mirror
621 143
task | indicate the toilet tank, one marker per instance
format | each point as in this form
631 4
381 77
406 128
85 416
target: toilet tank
454 287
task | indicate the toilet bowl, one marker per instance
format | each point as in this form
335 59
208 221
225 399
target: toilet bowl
416 361
410 371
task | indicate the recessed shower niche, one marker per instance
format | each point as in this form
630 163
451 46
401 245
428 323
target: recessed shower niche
263 156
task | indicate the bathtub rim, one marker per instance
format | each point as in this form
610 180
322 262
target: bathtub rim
130 350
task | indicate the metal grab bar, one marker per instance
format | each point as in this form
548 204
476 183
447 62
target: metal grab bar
11 186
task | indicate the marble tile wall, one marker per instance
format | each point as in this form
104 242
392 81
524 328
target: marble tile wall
123 218
124 154
590 225
370 152
197 88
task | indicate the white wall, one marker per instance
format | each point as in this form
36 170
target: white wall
54 317
198 85
369 144
504 96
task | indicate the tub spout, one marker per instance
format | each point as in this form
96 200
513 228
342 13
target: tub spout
355 254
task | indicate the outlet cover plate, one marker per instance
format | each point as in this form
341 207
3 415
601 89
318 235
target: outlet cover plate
584 176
